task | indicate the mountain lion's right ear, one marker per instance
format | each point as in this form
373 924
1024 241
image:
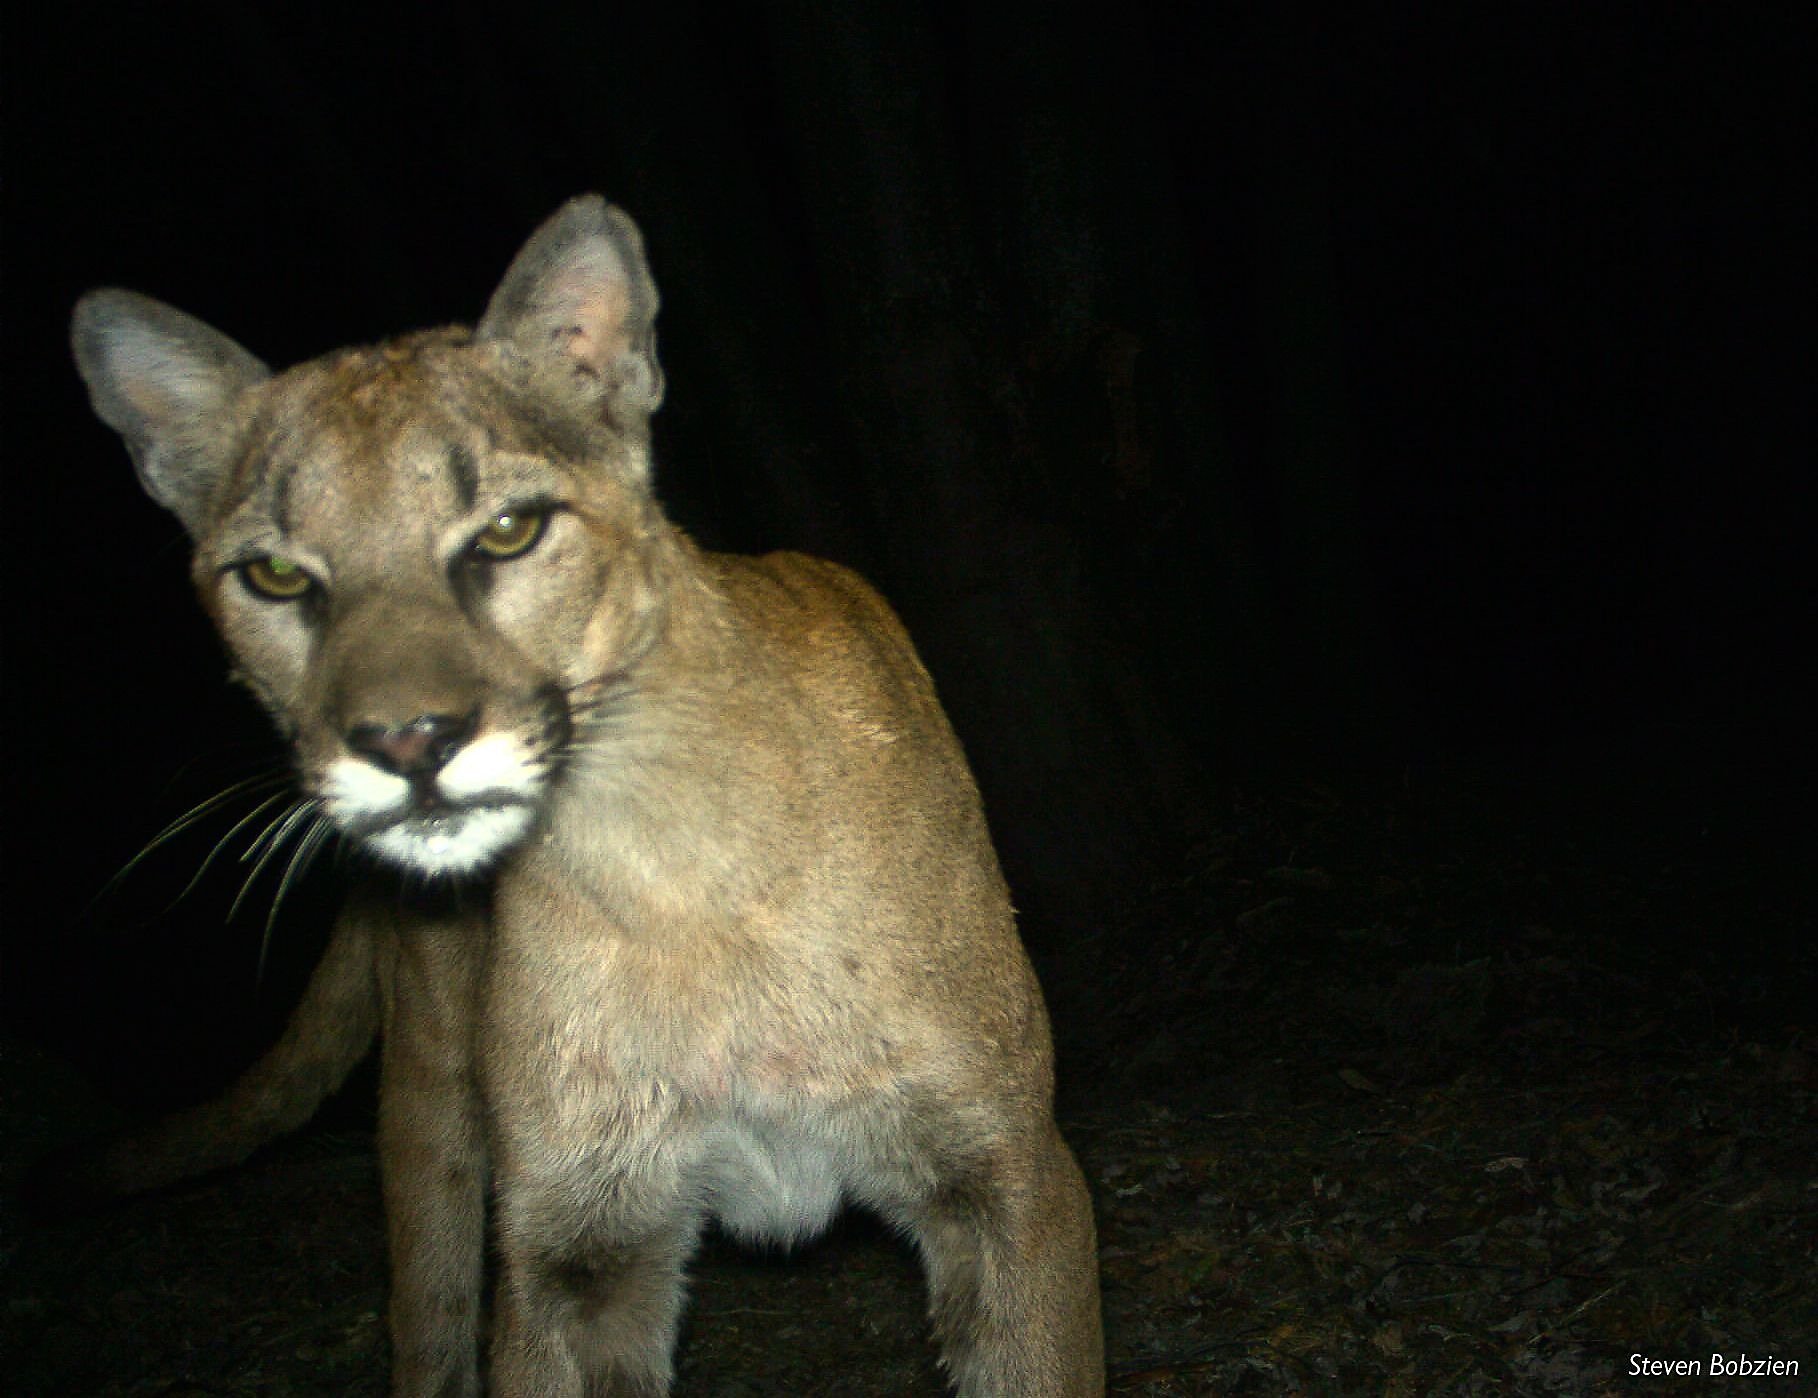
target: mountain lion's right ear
167 384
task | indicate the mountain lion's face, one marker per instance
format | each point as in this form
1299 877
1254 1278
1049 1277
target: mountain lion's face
429 558
431 586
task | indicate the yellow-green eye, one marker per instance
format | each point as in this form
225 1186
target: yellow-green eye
277 578
510 533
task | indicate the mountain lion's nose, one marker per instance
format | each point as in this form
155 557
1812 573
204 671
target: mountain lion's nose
415 749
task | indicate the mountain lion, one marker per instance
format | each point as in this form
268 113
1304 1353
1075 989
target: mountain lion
737 947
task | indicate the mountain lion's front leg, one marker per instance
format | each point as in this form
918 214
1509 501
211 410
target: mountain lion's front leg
582 1313
432 1154
1012 1267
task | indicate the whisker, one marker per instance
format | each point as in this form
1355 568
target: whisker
256 782
196 813
319 832
222 843
276 828
274 836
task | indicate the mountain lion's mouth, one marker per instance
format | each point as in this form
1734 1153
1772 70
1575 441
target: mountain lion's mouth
456 820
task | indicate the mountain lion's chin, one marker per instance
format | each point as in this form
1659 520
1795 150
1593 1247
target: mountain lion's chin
452 842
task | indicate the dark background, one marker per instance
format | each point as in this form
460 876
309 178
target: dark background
1274 397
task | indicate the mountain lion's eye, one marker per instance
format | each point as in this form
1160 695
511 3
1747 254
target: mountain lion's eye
510 533
277 579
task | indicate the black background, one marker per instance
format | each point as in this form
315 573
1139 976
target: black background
1228 402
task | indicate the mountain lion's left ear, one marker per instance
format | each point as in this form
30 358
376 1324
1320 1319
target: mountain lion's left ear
580 296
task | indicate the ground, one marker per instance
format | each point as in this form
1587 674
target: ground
1452 1084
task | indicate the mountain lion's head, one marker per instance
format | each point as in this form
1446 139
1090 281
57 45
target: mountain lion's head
432 559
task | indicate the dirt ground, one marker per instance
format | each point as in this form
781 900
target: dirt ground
1449 1084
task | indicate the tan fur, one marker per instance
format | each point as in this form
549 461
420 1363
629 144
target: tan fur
749 954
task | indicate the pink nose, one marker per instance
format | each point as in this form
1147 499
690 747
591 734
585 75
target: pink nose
418 748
